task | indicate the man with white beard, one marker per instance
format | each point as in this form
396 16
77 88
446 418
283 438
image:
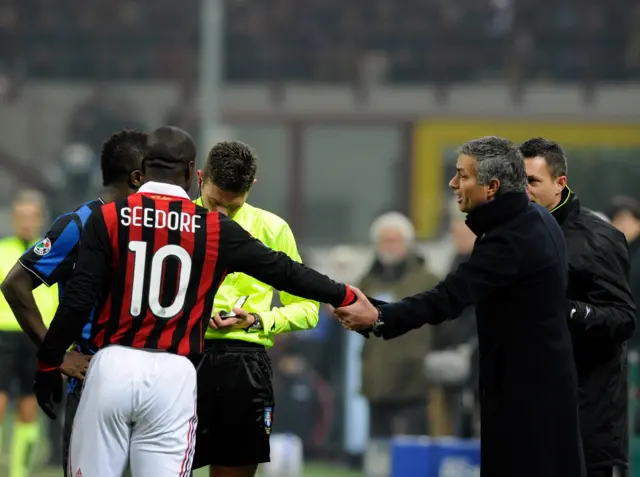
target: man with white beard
392 372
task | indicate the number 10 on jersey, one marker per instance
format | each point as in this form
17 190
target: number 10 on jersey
139 250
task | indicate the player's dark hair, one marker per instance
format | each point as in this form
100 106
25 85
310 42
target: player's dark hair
550 151
122 154
232 166
169 147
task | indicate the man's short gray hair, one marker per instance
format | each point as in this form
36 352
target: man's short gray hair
500 159
394 220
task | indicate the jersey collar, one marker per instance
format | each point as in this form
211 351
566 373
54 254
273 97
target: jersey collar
162 188
568 203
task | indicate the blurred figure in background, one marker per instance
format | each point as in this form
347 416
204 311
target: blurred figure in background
98 116
299 390
463 238
625 216
17 353
452 368
80 174
392 372
624 213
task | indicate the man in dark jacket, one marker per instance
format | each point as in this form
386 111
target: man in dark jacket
602 315
516 277
392 376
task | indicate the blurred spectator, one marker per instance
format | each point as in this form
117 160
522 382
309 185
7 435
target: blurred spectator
17 353
80 176
185 114
90 124
452 366
625 216
392 372
320 344
307 375
300 391
99 116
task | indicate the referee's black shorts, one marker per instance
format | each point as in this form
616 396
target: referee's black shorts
235 405
17 363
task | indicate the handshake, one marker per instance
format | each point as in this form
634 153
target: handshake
362 315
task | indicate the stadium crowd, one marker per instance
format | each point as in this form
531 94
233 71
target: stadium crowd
328 40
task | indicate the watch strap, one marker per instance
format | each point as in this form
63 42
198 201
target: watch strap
257 324
378 326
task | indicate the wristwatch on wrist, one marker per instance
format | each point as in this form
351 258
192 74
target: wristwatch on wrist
257 324
378 326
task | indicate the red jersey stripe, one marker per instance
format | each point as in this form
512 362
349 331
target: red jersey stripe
187 239
135 235
209 266
161 238
110 214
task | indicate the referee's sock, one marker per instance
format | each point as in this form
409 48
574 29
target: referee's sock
25 439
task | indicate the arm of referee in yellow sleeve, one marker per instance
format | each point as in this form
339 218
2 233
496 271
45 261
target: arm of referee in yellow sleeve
297 313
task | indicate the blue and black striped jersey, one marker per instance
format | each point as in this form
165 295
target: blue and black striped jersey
53 258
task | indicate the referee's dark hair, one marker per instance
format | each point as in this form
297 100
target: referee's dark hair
550 151
121 156
171 156
232 166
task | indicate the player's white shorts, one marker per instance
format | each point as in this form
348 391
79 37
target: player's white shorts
137 406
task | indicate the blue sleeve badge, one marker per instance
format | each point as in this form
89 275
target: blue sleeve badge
43 247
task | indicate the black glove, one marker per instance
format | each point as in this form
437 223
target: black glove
48 389
579 312
579 315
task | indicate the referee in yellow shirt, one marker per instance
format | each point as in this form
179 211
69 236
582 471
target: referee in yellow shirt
17 353
235 392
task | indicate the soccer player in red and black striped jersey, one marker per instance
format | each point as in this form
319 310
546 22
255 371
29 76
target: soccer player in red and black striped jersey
153 262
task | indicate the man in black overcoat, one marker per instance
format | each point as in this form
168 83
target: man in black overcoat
516 277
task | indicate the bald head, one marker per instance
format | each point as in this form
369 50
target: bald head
169 146
170 157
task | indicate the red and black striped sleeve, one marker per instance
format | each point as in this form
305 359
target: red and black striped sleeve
81 294
243 253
